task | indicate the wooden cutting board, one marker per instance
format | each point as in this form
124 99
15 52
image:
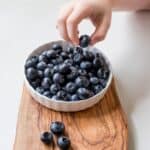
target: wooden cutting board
102 127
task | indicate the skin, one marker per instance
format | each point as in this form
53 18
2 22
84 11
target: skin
98 11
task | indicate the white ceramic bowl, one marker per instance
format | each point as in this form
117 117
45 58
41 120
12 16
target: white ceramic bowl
64 106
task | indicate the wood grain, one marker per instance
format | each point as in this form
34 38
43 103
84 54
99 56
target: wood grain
102 127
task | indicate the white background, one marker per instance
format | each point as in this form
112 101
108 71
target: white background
26 24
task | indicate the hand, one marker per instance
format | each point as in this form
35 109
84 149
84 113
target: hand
98 11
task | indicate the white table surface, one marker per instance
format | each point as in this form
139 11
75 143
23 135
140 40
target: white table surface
26 24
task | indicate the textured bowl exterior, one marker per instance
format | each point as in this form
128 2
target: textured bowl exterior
64 106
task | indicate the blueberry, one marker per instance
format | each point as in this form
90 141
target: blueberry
51 54
55 97
77 58
58 78
84 41
47 94
73 74
82 72
55 69
57 47
104 74
89 56
85 65
54 61
74 97
69 50
44 53
50 65
97 88
78 49
41 65
71 87
46 83
82 81
63 143
43 58
54 88
46 138
60 60
64 55
40 73
61 95
64 68
57 127
94 80
97 63
40 90
31 73
31 62
103 82
90 74
36 83
69 62
84 93
47 72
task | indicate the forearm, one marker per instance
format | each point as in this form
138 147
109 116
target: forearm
130 4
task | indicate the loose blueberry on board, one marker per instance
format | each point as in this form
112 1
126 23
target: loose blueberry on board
57 127
46 137
64 143
84 41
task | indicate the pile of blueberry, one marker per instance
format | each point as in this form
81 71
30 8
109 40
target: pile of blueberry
69 74
56 128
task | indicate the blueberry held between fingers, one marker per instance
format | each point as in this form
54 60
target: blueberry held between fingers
46 137
84 41
57 127
64 143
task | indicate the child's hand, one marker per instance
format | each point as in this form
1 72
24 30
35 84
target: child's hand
98 11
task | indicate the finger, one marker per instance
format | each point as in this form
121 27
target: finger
61 22
101 29
73 20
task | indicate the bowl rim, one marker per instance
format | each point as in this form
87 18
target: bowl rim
62 101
